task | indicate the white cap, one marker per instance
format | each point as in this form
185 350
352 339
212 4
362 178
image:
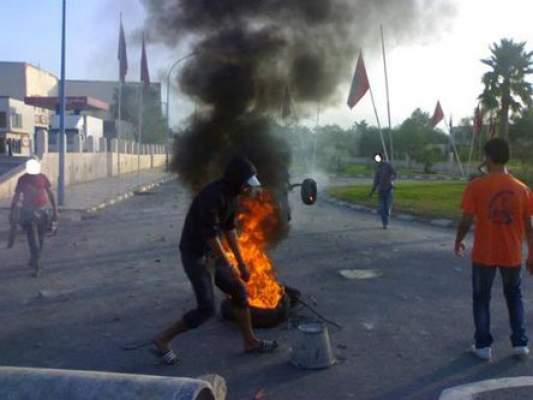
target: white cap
253 181
33 167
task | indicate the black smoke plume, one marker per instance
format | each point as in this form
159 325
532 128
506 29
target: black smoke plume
248 51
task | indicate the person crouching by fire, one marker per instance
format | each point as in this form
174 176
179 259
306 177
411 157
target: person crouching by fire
209 221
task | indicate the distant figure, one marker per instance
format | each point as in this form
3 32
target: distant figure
210 221
383 183
35 189
501 207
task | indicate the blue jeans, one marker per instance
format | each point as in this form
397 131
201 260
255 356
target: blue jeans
385 205
482 279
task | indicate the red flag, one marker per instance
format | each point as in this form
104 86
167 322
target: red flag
438 115
360 83
145 75
122 55
478 121
286 107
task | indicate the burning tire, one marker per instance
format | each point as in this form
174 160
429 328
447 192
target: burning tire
261 317
309 191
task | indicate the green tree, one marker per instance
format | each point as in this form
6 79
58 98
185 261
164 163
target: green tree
506 88
154 125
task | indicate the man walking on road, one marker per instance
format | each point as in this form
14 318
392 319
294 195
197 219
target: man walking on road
501 207
35 189
210 221
383 183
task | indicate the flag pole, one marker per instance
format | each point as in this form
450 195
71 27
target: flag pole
315 136
140 140
457 157
387 94
119 128
379 124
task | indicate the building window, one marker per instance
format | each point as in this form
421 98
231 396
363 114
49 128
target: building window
16 121
3 119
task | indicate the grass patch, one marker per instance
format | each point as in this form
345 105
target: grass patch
357 169
427 199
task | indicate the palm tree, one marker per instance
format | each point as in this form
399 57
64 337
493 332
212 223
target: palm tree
505 85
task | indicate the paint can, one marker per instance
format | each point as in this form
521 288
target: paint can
312 347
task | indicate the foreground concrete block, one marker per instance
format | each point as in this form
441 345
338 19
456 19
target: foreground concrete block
41 384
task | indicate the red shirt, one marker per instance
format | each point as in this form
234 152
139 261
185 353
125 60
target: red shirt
33 189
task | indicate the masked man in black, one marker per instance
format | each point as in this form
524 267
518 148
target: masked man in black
210 220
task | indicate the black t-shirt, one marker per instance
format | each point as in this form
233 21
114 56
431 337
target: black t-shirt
212 212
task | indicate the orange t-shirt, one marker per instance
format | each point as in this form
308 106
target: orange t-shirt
500 204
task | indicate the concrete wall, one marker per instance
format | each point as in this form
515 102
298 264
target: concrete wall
84 167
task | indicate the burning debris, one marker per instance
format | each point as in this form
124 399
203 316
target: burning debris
246 53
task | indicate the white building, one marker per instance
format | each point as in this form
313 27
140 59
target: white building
19 80
17 126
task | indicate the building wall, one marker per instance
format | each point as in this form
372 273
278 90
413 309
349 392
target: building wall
22 134
83 167
18 80
13 80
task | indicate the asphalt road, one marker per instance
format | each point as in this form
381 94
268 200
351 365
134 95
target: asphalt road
116 279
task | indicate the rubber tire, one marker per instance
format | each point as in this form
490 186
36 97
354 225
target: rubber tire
261 318
309 191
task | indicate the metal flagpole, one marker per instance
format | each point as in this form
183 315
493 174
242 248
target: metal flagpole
379 124
119 128
62 138
315 136
387 94
457 157
472 143
141 109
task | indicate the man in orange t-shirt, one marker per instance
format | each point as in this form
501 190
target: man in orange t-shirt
501 207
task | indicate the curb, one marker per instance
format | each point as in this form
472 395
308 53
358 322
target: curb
438 222
87 213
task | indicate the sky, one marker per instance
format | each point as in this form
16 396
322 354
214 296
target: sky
443 67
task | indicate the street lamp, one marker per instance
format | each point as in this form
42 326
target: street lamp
179 60
62 139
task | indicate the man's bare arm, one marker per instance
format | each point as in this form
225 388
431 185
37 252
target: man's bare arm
529 239
52 201
462 230
216 245
14 203
233 242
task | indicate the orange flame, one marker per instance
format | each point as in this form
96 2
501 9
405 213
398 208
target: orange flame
258 216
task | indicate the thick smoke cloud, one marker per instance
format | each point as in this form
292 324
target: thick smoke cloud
248 51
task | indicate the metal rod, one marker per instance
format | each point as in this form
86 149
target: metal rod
62 138
387 94
379 124
457 157
179 60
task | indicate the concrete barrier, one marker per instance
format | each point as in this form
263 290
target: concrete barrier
41 384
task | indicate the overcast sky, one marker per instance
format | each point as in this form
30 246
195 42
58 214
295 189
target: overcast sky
445 67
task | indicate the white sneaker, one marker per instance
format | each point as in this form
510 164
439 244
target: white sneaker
483 353
521 352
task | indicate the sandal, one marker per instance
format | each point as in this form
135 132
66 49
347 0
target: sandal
264 346
167 357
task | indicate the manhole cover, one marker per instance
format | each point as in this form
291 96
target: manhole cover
360 274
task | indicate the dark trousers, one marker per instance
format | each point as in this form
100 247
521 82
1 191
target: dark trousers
482 280
385 205
201 279
34 224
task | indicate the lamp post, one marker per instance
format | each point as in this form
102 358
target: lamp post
61 141
179 60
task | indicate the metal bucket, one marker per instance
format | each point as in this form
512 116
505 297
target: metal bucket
312 347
